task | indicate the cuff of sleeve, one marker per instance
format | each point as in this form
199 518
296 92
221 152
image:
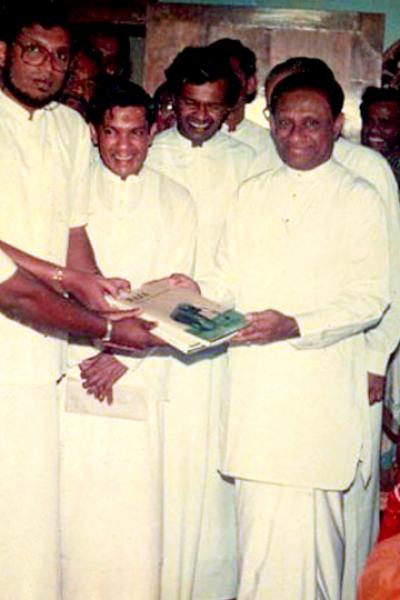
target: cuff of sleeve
376 362
310 324
7 267
76 222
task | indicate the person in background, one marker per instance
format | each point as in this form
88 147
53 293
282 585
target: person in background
199 533
242 60
112 48
380 114
164 109
82 79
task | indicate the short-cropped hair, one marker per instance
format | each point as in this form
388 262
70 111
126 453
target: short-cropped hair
116 91
373 94
46 13
327 86
301 64
229 48
198 65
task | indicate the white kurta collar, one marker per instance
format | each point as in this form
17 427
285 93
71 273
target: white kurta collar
116 180
207 145
20 113
319 172
123 195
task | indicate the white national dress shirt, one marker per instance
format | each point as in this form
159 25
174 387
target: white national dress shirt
141 228
250 133
44 181
371 166
313 245
212 173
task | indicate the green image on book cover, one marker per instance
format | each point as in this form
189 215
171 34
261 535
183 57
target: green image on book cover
206 323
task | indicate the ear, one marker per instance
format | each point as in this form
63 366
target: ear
3 53
271 122
338 125
251 85
153 131
93 134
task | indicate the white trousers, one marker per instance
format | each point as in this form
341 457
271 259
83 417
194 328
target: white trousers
111 506
29 545
199 560
291 542
361 512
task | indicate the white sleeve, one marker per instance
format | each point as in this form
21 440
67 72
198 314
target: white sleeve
221 284
79 181
383 339
365 291
7 267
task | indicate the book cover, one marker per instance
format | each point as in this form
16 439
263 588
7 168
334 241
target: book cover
185 319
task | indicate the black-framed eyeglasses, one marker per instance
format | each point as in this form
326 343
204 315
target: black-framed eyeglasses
35 54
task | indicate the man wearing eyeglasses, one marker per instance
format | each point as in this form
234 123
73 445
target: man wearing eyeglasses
45 149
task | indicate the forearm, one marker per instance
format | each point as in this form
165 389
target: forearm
333 323
28 300
80 251
49 273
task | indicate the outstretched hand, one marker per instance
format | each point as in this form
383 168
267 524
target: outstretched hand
133 334
266 326
90 289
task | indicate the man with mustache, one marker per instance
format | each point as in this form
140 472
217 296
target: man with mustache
44 167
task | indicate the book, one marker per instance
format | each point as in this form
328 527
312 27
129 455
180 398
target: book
185 319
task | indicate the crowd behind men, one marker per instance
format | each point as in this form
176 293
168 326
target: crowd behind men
129 470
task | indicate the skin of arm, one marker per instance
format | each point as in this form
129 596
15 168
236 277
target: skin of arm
26 299
87 288
80 251
267 326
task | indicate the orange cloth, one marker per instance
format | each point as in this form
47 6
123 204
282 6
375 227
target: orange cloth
380 579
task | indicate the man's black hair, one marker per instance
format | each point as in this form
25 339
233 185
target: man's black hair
18 15
301 64
327 86
229 48
373 94
197 65
118 91
80 45
112 30
161 96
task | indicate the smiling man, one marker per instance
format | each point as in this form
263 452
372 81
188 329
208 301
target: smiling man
305 256
362 501
142 223
200 523
82 79
45 149
380 113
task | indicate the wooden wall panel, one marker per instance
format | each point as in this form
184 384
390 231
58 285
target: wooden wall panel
350 42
